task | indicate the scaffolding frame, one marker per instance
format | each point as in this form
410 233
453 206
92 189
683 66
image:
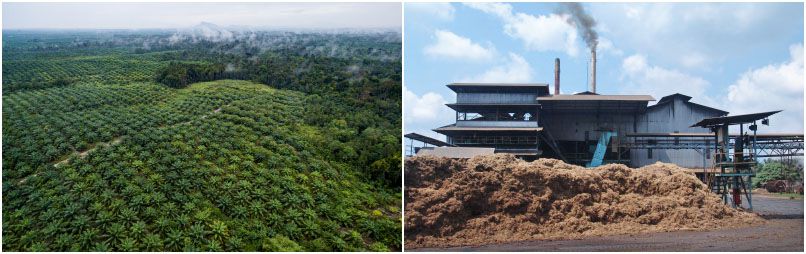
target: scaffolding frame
732 173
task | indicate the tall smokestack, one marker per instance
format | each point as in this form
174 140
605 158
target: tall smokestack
592 87
556 76
585 24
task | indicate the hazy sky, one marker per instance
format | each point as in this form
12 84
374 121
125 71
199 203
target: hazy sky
178 15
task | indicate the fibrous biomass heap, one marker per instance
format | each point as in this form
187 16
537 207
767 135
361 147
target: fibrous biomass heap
499 198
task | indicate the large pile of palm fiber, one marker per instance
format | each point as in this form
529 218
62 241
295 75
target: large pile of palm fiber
499 198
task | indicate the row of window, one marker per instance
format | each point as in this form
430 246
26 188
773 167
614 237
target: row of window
496 116
515 140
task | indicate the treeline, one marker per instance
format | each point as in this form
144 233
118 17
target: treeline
362 94
179 75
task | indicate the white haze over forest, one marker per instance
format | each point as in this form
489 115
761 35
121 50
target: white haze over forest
287 16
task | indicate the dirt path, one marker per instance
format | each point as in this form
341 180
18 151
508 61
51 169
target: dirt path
116 141
83 154
782 232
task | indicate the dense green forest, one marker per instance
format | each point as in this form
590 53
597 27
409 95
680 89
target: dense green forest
157 140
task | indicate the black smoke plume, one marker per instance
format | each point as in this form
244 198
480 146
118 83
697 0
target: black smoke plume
583 21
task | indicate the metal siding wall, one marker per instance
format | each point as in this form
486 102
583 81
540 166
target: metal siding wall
572 127
497 98
668 118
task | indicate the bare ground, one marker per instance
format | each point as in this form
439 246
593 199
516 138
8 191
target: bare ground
783 231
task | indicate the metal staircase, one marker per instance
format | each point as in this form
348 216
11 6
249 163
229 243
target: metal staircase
552 143
601 148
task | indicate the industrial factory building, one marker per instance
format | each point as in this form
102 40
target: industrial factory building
589 129
528 121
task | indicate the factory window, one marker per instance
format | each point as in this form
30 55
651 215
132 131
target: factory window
497 115
475 140
472 116
649 154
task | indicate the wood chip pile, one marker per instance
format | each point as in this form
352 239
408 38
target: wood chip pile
499 198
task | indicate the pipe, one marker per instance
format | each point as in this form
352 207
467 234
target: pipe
556 76
593 71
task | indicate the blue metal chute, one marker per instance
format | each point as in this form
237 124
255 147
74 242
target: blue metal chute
601 148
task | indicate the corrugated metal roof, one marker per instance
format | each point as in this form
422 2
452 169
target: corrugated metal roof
426 139
494 104
501 84
471 106
536 88
737 119
686 99
455 128
586 97
672 96
456 152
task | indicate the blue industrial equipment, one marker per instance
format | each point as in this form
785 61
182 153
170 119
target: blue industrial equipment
601 148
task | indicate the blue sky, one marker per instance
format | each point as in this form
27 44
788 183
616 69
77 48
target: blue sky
739 57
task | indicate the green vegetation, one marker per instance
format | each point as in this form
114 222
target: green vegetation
789 195
178 75
777 170
130 153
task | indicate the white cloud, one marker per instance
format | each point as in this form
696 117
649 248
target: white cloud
633 13
701 34
606 47
515 70
543 33
443 11
451 45
634 63
643 78
423 113
772 87
499 9
540 33
694 60
425 109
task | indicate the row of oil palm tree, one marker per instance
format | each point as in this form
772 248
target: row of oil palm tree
57 71
218 183
39 135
